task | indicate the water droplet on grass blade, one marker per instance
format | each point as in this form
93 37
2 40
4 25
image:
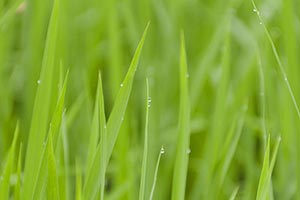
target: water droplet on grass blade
121 85
149 102
39 81
162 150
188 151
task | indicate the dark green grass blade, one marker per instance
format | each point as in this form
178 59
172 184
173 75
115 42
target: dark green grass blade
41 109
183 140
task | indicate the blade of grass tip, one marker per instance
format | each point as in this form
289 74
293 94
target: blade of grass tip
183 140
78 181
41 108
263 180
234 193
54 132
114 122
52 180
103 137
17 189
118 111
96 173
9 167
161 152
278 60
145 154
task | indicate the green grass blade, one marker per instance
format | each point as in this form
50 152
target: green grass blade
161 152
54 132
103 137
145 154
118 111
113 124
8 168
96 173
52 180
234 193
17 189
183 138
78 192
263 180
41 108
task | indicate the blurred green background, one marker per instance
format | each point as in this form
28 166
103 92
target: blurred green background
99 35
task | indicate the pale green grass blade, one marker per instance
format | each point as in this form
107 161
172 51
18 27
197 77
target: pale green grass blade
161 152
55 123
118 111
234 193
78 192
96 173
8 168
264 180
183 138
52 179
145 153
41 108
17 189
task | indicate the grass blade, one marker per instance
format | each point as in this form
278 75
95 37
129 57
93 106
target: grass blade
78 181
162 151
96 173
52 181
41 108
114 123
234 193
17 189
145 154
8 168
183 140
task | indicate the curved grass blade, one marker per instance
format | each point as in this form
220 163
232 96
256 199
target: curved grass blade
8 168
41 108
183 138
145 154
234 193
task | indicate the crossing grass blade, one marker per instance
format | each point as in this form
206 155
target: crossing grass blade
114 123
145 154
183 138
41 108
8 168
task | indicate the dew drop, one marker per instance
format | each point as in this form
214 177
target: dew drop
149 102
187 75
162 150
254 10
121 85
260 23
122 119
39 81
188 151
285 79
